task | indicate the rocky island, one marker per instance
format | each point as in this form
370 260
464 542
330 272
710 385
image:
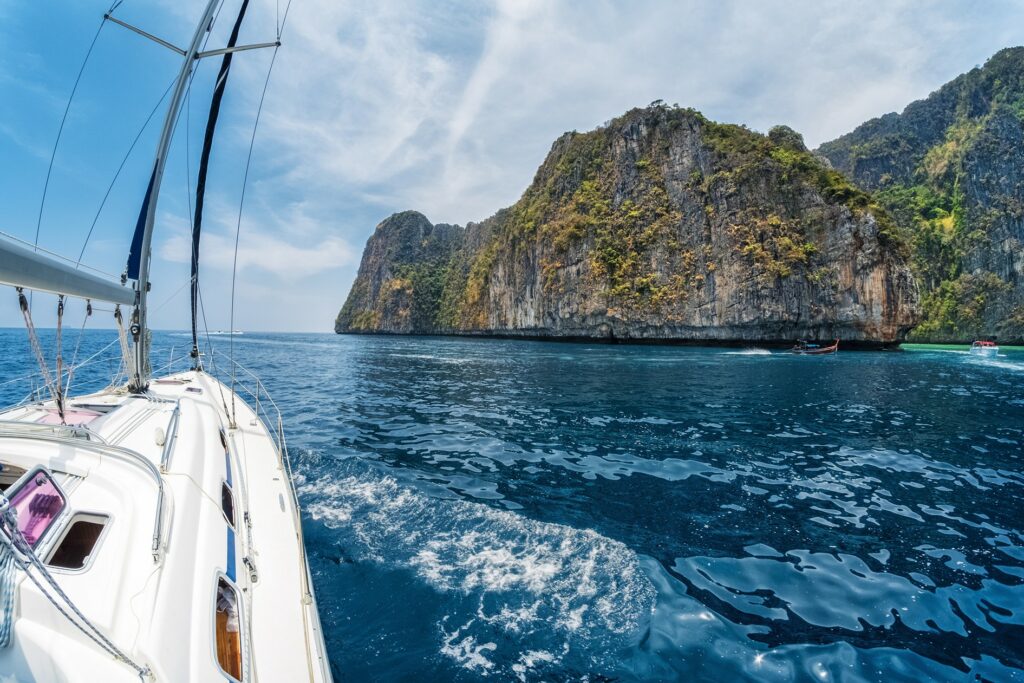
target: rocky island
950 171
665 226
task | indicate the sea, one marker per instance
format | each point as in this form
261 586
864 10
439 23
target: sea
495 510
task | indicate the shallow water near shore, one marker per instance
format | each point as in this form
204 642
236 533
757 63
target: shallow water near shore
515 510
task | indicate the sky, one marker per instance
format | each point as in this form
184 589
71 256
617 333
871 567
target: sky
378 106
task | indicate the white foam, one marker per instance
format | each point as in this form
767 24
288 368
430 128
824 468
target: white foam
467 652
533 582
749 352
529 660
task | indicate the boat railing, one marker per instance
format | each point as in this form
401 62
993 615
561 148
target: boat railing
267 411
264 406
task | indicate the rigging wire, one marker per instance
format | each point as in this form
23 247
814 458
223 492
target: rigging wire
120 168
60 130
216 104
209 351
78 344
241 205
188 155
238 230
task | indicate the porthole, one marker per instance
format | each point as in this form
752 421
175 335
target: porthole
227 503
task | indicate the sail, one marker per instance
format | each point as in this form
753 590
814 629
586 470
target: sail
22 267
204 162
135 252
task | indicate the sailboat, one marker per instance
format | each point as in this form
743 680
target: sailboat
149 531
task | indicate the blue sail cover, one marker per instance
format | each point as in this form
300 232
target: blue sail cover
204 162
135 253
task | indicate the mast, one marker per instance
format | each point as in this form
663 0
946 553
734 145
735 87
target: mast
139 257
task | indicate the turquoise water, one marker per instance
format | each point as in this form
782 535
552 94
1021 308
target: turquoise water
503 510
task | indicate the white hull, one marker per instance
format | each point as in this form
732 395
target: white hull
159 608
985 351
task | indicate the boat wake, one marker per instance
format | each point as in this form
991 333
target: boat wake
996 362
537 595
749 352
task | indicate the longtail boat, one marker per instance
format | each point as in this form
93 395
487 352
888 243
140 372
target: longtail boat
805 348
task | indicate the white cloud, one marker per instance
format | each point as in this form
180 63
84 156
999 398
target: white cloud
448 107
285 247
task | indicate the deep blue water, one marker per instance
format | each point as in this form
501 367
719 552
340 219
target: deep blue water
502 510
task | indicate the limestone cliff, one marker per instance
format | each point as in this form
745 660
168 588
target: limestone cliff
661 225
950 170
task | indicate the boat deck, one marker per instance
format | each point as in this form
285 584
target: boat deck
228 513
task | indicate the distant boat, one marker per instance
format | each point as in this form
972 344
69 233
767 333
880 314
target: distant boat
985 349
216 332
805 348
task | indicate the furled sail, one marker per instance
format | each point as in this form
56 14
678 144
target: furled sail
204 162
135 252
22 267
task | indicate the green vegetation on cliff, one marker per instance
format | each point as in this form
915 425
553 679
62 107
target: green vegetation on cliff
950 170
662 224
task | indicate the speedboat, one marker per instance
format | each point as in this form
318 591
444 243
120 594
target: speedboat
805 348
984 348
149 531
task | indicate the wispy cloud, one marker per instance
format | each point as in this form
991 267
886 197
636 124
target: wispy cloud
448 107
289 248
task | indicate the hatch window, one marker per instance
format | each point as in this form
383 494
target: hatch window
228 629
38 501
79 541
227 503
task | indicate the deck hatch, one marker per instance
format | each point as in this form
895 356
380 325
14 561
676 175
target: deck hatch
39 502
79 541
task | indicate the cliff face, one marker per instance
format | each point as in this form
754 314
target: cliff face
950 170
399 284
661 225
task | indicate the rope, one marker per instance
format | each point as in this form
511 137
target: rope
7 595
122 336
15 545
33 340
60 357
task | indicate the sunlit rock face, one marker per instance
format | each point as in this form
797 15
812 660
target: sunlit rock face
660 225
950 171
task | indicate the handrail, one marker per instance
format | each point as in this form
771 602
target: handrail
17 428
170 437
